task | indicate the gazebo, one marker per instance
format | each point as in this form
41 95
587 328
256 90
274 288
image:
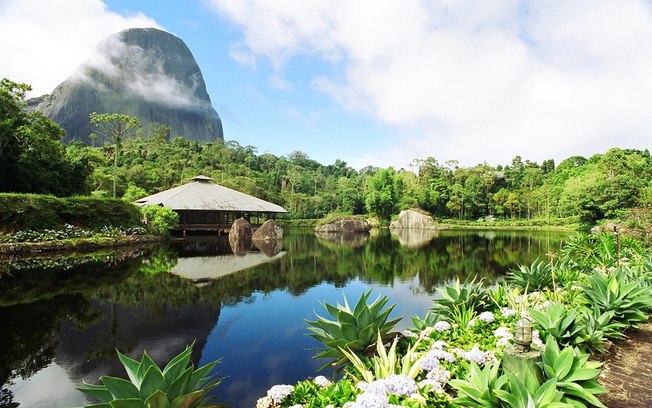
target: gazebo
205 206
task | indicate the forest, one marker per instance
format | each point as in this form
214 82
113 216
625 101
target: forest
146 160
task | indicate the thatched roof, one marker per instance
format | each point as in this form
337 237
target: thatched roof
202 194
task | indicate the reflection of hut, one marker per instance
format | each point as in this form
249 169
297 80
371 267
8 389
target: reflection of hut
206 206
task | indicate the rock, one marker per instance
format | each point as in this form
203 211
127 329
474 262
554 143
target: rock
413 219
347 225
269 231
240 230
142 72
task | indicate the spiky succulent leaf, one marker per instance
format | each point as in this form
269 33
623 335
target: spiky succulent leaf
119 387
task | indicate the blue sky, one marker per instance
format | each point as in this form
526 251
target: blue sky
382 83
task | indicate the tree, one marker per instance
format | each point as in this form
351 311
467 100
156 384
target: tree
115 127
380 194
32 157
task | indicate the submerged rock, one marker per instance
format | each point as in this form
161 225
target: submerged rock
240 229
269 231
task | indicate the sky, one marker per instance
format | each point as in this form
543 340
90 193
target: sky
382 83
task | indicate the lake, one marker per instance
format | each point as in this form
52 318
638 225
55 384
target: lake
63 317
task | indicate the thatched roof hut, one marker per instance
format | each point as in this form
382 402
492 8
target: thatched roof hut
204 205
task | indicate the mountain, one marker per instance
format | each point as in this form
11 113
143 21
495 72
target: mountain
143 72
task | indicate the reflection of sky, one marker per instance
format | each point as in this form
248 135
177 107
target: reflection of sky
50 387
265 342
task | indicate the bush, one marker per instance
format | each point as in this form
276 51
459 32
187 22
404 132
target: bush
159 219
17 212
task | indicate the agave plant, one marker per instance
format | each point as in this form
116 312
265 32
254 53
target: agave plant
386 363
598 328
574 374
537 276
528 393
478 389
627 299
470 294
177 385
353 330
558 321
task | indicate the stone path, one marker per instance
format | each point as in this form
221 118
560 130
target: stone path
627 374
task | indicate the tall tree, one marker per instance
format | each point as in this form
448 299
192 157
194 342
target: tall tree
115 127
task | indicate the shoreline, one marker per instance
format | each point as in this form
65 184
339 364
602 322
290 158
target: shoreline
8 250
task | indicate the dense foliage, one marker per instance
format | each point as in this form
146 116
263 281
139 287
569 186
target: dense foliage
144 160
17 212
32 156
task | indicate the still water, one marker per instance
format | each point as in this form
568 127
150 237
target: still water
62 318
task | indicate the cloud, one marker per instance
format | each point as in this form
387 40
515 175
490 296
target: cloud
140 72
44 41
469 79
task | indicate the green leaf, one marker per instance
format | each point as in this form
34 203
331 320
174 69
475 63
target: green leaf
152 381
99 392
177 365
127 403
564 363
181 384
119 387
145 363
187 400
157 400
131 367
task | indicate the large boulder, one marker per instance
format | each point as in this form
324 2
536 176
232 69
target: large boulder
142 72
347 225
240 230
269 231
414 220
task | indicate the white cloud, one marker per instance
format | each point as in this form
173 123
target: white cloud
140 72
44 41
469 79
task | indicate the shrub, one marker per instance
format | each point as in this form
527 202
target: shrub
159 219
537 276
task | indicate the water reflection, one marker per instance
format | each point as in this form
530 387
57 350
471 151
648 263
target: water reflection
414 238
68 314
350 239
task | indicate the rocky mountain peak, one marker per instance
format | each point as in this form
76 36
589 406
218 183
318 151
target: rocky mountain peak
142 72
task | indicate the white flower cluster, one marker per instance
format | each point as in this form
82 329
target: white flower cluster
478 356
376 394
322 381
442 326
487 317
504 335
275 396
409 334
536 340
507 312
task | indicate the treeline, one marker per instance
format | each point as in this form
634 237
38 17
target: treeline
32 159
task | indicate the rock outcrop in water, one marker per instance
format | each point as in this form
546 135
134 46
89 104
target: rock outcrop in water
413 219
142 72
